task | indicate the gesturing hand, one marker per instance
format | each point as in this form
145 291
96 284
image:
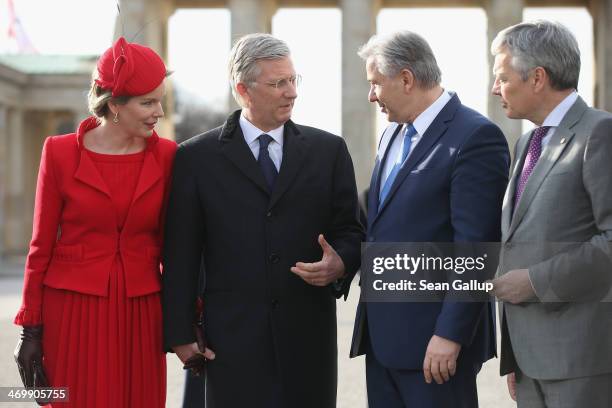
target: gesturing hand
440 359
329 269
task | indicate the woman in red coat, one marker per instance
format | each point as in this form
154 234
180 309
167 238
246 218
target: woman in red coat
91 312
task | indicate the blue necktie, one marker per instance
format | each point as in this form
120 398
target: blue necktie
410 132
265 162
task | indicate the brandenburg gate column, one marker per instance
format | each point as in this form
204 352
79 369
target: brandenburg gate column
3 172
358 115
501 14
249 16
146 22
602 16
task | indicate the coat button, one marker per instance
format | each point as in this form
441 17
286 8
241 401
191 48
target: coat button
274 258
274 303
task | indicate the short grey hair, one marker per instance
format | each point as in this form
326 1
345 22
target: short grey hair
545 44
403 50
247 51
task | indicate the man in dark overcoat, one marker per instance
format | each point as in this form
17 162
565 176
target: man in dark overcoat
271 209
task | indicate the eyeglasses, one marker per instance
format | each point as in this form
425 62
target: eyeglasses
283 83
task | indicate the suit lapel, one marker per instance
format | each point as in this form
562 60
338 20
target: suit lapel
508 204
234 147
374 193
295 148
87 173
428 140
150 174
558 143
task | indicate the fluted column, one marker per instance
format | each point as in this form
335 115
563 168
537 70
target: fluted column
602 21
14 234
501 14
249 16
146 22
358 115
3 176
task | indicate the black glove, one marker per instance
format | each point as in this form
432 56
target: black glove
28 355
197 362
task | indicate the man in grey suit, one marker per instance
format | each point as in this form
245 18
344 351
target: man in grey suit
555 263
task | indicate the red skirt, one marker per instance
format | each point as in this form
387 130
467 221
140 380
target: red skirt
106 350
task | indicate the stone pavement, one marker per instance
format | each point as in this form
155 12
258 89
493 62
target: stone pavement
351 381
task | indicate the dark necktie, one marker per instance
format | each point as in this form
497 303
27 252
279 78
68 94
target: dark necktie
409 133
533 154
265 162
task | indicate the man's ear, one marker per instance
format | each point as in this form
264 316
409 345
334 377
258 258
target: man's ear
242 90
539 79
407 78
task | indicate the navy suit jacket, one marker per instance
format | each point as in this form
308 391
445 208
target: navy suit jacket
450 189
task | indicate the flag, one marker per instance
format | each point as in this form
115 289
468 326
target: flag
17 33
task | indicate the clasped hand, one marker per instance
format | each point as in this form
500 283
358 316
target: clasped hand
192 357
513 287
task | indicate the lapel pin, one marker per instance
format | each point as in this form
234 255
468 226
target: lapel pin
562 141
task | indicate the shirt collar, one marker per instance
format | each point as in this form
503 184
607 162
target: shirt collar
422 122
556 115
252 132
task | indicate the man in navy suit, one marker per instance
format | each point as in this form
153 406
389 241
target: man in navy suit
440 175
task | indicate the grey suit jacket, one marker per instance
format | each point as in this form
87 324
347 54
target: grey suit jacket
561 230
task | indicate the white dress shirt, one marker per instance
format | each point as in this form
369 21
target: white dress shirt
556 116
251 136
421 124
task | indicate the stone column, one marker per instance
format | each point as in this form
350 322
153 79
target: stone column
146 22
501 14
358 115
15 237
602 20
3 174
249 16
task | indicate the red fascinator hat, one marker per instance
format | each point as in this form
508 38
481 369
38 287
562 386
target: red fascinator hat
130 69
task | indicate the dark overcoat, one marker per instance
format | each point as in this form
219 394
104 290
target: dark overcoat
262 321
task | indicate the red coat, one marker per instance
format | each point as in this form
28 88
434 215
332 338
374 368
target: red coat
75 236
